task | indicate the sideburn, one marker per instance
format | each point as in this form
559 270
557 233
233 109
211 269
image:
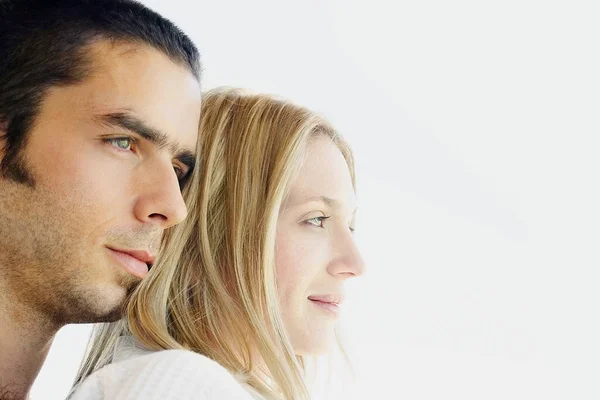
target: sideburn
13 165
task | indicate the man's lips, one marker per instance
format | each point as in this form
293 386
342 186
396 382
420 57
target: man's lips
136 262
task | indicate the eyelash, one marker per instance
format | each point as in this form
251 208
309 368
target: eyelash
179 172
181 175
132 141
320 219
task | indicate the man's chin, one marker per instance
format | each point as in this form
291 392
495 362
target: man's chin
98 316
103 306
114 316
117 312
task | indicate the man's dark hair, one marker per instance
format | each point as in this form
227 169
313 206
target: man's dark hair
44 44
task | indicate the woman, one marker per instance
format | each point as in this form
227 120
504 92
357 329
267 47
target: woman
251 283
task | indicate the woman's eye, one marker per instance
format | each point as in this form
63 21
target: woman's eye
317 221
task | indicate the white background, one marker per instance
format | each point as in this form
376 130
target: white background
475 126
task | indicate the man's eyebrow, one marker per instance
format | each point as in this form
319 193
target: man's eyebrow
132 123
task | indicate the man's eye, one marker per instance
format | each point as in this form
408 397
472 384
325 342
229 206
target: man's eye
122 143
183 175
179 172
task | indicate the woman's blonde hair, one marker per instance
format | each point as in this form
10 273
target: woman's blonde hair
213 289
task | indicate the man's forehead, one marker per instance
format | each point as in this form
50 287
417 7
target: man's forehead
130 80
102 52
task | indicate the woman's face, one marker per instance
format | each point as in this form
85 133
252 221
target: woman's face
315 250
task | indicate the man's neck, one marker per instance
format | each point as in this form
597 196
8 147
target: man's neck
25 338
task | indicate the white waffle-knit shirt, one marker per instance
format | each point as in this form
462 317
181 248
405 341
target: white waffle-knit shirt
140 374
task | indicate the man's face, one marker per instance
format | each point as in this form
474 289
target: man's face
106 156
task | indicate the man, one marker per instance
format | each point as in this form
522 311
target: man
99 112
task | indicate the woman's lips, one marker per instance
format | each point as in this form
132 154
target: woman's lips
330 303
